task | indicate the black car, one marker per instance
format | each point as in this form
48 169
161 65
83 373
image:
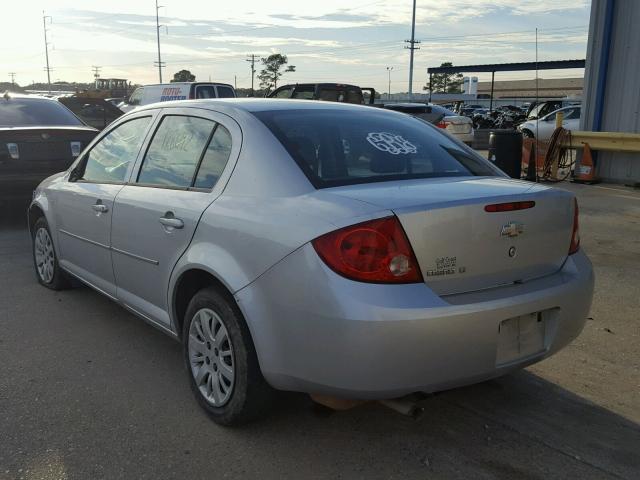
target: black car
38 137
328 92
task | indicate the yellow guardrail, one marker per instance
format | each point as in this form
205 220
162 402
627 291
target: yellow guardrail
606 141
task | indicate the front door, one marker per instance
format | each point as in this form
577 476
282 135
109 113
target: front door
156 214
84 203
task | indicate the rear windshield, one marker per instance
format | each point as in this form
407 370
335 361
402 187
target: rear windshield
338 147
35 112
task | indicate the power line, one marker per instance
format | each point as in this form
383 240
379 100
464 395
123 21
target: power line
412 47
159 62
46 48
252 60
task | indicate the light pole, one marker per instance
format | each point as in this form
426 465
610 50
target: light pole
389 72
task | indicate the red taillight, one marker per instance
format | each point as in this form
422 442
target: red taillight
442 124
575 235
376 251
509 206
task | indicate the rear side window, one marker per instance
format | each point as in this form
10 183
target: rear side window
35 112
109 159
225 92
205 91
215 159
342 147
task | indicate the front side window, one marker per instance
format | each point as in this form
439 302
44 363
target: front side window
306 92
175 151
109 160
339 147
284 93
136 97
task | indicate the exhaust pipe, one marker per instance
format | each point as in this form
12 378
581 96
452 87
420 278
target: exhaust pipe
404 406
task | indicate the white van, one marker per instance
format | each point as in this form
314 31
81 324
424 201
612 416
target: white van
164 92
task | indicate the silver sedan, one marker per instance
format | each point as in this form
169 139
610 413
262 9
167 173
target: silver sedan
333 249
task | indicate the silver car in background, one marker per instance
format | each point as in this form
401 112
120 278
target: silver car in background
317 247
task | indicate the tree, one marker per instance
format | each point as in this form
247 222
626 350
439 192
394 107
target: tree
445 82
271 73
183 76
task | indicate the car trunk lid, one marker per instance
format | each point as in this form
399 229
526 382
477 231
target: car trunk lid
47 149
460 246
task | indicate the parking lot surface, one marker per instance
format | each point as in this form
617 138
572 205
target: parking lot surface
88 391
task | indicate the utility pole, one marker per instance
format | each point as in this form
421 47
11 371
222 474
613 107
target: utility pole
412 46
252 61
389 72
46 48
235 82
159 62
13 77
96 71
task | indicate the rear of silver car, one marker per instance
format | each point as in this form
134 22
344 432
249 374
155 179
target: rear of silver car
459 127
500 291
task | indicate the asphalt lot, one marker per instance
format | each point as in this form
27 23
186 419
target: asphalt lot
88 391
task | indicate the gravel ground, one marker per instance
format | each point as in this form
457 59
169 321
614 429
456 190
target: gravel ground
87 391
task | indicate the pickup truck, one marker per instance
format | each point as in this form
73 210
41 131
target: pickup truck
330 92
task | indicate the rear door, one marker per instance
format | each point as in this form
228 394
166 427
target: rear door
84 204
156 214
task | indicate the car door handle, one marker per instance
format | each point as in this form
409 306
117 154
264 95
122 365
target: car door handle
170 221
100 207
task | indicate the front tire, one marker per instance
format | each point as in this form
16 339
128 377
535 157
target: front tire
221 360
45 260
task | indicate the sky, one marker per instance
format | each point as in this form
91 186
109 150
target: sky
329 40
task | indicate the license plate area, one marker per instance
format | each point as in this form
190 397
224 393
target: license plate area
521 337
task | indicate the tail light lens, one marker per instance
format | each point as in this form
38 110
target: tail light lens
442 124
575 235
376 251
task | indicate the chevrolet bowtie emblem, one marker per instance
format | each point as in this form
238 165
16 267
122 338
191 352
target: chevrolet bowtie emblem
512 229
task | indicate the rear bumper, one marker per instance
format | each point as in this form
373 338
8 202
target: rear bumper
317 332
464 137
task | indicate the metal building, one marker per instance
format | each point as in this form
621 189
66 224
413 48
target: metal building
611 101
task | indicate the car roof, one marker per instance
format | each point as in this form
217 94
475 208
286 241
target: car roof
7 96
319 84
258 104
406 104
185 83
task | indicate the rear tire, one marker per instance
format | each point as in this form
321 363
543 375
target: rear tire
221 360
45 259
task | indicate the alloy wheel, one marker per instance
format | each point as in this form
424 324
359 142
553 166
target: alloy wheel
211 357
45 256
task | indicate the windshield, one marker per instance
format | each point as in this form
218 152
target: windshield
35 112
338 147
